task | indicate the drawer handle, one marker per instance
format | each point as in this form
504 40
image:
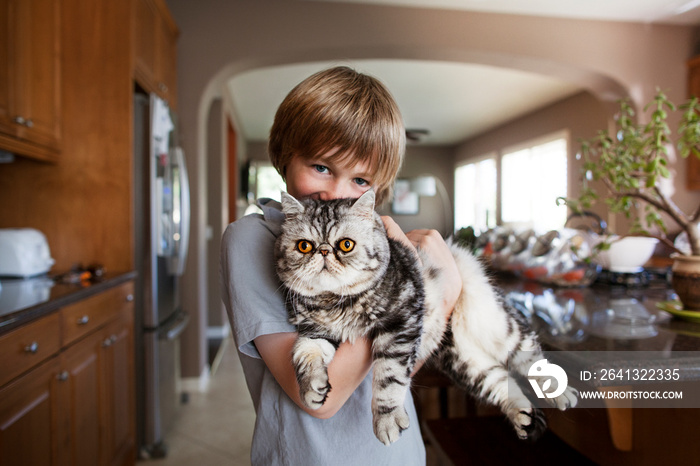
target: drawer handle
83 320
109 341
63 376
32 348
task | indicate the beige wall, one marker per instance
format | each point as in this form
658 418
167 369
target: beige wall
430 161
581 115
219 39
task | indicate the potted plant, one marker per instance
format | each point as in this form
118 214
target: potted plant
631 165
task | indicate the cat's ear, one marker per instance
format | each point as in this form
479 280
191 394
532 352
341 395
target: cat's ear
364 205
290 206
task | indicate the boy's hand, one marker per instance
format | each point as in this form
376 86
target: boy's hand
433 245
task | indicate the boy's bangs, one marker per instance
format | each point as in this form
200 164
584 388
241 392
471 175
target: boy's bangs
365 147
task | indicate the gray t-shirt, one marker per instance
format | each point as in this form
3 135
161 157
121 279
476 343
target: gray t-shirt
284 433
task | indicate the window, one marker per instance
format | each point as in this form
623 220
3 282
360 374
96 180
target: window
264 181
532 178
475 195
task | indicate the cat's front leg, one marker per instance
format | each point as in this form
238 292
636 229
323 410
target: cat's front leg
310 357
393 363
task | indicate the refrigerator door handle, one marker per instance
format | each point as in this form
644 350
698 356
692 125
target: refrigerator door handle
181 257
174 327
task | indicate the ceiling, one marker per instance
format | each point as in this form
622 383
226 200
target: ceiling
452 101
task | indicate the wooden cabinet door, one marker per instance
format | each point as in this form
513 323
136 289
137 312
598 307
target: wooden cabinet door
30 80
38 71
118 400
7 25
166 61
31 431
155 49
144 39
693 167
81 367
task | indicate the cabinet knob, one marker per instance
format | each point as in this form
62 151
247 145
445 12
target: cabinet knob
32 348
19 120
83 320
29 123
63 376
109 341
129 298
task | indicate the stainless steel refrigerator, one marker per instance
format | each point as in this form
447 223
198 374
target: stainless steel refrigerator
161 224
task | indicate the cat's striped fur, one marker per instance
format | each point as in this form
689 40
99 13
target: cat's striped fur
374 286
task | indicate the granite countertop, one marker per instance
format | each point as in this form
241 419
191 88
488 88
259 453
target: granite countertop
24 300
608 327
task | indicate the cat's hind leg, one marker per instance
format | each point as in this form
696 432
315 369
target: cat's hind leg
489 380
524 362
310 357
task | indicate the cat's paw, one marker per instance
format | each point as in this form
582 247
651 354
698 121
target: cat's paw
529 423
566 400
388 425
314 388
311 357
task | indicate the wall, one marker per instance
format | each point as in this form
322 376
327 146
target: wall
433 161
219 39
216 213
582 115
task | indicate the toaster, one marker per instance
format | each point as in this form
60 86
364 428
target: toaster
24 252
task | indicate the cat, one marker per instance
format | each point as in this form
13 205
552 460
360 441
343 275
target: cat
344 279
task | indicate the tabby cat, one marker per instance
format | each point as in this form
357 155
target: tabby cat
345 279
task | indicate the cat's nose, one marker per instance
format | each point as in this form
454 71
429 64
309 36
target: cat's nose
324 250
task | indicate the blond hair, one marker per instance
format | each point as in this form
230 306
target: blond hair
342 109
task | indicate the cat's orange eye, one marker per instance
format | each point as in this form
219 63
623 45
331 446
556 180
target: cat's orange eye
305 246
346 245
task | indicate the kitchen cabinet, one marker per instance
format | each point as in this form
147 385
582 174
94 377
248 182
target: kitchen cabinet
693 168
30 83
155 49
77 405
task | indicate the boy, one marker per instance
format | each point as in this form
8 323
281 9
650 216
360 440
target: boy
336 135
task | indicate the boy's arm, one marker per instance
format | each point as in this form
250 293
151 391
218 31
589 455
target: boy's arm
346 371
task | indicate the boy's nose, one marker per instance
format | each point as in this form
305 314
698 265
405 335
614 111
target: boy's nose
336 191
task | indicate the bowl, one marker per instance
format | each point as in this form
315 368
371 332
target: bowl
626 254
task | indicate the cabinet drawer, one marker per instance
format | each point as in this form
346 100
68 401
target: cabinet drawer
26 347
89 314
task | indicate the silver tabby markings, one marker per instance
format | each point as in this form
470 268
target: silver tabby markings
345 279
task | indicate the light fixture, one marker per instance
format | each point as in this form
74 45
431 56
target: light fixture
416 134
424 186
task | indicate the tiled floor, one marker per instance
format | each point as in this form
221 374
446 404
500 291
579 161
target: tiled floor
215 427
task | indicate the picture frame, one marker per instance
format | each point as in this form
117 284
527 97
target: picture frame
405 201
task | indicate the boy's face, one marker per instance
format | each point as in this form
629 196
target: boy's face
326 179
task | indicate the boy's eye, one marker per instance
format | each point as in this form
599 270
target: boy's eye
361 182
321 168
304 246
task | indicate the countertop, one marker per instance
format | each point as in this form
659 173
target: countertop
24 300
608 327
